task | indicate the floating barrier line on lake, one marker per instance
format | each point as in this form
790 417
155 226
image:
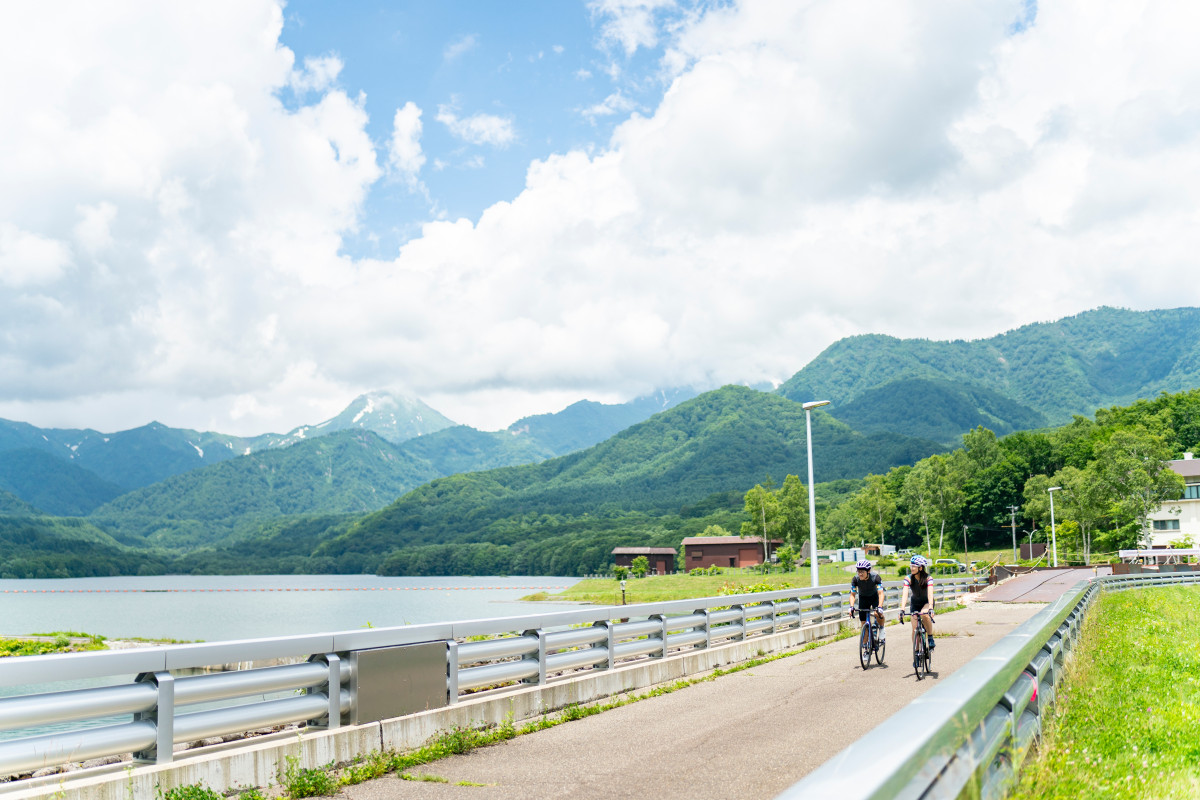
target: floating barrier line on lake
329 589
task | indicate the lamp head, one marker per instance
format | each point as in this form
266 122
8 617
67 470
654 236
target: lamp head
809 406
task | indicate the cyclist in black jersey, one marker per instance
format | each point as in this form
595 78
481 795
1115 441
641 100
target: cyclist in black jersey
917 596
864 589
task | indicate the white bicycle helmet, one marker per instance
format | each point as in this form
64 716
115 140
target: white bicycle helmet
863 564
919 560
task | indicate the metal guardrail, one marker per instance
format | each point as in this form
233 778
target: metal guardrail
968 736
154 704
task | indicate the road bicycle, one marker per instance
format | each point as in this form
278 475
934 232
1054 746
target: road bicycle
922 655
869 641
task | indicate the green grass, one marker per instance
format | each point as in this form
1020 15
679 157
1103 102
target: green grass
1128 721
63 642
657 588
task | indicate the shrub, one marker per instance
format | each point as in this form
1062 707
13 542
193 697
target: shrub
620 572
302 782
194 791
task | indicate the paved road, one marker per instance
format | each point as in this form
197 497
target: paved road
1043 586
750 734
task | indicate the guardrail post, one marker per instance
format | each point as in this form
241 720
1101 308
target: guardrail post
772 631
451 672
541 657
611 644
333 692
742 635
662 635
707 628
162 715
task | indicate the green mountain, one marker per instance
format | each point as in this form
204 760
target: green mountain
722 441
935 409
586 423
346 472
1076 365
50 547
13 506
52 484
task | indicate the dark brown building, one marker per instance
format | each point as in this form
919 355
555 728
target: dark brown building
662 559
724 551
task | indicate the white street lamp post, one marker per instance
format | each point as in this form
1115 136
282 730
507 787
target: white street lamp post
812 497
1053 537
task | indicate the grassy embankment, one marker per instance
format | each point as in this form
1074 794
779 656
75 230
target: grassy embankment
656 588
1127 724
38 644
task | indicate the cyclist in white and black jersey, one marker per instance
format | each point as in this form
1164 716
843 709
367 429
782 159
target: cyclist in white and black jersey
864 590
918 597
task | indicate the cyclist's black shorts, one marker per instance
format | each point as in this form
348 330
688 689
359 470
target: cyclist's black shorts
864 612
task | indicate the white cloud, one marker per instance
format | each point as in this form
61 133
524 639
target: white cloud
477 128
615 103
27 259
805 177
629 24
404 148
318 74
460 46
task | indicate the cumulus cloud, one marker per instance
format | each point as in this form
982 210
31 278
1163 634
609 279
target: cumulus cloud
317 75
404 148
949 170
478 128
629 24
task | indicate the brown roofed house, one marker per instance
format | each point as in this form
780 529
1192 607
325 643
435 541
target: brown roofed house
725 551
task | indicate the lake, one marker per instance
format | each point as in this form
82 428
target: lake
222 607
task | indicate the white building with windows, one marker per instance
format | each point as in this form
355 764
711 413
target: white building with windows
1179 519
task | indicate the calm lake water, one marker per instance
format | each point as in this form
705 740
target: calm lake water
216 608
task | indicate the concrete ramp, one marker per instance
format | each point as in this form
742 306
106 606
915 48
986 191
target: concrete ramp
1044 586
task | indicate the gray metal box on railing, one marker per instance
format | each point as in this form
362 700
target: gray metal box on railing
394 681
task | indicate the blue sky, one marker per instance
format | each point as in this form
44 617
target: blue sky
543 69
238 215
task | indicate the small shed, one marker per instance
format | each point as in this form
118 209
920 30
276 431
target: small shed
662 559
725 551
878 550
1036 551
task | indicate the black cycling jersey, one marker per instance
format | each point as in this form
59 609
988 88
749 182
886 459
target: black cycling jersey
918 592
868 590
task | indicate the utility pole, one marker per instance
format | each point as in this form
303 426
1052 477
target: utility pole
1013 510
966 552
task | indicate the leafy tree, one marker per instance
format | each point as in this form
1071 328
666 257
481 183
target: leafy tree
715 530
792 498
639 566
841 527
875 507
1133 465
765 516
787 557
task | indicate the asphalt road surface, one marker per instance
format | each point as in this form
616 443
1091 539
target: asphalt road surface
750 734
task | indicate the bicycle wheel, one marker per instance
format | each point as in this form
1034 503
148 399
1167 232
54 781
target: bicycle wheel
864 646
918 654
928 655
880 646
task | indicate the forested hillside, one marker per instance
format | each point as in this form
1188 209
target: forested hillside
721 441
53 485
349 471
1076 365
1112 472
